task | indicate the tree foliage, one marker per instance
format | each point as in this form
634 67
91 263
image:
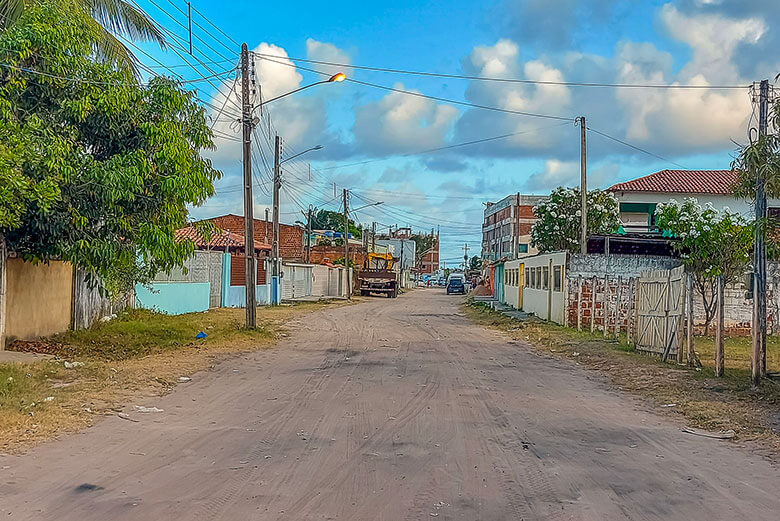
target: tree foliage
330 220
94 168
475 263
558 219
423 243
711 243
105 19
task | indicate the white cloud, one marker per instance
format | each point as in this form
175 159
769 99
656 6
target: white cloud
399 123
680 121
327 52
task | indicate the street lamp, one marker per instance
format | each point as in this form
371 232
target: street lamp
317 147
367 205
336 78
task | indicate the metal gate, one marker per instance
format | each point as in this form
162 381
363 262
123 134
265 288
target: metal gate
296 282
659 310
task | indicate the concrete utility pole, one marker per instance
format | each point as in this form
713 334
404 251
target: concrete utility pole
276 293
373 238
308 236
250 275
583 187
346 244
758 358
465 256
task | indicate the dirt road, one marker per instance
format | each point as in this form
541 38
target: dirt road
394 409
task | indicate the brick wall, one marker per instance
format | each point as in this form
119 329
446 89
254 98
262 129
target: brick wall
320 253
606 304
290 237
238 269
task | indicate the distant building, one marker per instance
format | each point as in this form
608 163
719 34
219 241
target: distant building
506 227
639 197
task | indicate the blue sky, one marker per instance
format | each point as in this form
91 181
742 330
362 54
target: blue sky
703 42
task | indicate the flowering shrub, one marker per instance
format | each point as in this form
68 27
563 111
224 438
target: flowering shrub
558 224
711 243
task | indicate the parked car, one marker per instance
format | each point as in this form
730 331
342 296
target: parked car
456 285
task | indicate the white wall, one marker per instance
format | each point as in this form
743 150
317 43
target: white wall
511 286
742 206
535 300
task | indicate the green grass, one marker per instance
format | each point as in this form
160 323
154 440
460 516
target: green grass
142 332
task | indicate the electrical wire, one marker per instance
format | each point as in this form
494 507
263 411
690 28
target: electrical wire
105 83
427 96
511 80
634 147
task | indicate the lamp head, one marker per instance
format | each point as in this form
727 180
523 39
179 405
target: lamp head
318 147
340 76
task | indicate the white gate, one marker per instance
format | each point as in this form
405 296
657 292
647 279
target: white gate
659 310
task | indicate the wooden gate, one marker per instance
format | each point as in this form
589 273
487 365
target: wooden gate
659 310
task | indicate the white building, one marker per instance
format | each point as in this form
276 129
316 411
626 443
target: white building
639 197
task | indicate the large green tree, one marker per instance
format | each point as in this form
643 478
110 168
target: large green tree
94 168
105 19
558 219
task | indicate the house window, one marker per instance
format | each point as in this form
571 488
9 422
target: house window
522 248
527 278
546 277
539 277
557 278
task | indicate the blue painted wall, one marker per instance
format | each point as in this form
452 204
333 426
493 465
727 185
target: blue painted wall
173 298
236 296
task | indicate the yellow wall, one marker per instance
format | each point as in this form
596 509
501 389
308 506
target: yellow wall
39 299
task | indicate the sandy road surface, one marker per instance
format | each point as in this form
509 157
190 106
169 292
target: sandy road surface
392 409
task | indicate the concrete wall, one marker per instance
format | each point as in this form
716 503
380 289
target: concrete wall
325 281
598 265
173 298
39 299
512 282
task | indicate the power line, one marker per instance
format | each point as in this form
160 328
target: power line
427 96
447 147
514 80
106 83
635 147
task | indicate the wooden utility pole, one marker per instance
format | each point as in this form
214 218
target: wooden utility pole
719 350
758 358
346 245
276 290
250 278
691 353
583 188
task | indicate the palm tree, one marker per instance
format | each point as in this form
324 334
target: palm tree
111 16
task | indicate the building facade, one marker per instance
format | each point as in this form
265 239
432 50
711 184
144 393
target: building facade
638 198
290 237
506 227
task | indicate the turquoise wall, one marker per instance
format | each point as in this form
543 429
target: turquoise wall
173 298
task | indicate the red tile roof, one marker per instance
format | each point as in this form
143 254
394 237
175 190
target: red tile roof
219 239
715 182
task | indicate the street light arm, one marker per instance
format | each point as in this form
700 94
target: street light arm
338 77
366 206
318 147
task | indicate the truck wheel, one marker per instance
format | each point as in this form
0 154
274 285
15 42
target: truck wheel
364 292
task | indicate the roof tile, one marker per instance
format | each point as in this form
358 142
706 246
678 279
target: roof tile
714 182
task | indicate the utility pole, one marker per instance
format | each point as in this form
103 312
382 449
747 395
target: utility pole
465 256
346 245
583 188
276 292
308 236
758 358
373 238
250 275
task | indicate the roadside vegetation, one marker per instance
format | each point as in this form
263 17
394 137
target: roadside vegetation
696 395
97 371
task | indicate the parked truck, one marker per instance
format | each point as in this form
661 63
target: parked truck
378 275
